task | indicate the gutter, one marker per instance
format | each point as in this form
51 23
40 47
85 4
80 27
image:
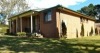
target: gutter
76 13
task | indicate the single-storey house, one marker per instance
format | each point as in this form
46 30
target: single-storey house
53 22
97 28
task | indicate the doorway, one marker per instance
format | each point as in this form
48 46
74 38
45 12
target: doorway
34 24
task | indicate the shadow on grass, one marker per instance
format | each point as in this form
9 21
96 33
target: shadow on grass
44 45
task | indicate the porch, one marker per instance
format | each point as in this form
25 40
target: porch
27 22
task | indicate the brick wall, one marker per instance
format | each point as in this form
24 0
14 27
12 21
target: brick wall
73 24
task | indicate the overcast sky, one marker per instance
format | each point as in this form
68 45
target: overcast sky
72 4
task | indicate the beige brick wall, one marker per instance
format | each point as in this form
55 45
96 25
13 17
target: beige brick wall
73 24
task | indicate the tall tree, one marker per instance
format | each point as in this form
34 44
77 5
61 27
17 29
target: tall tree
97 10
91 10
11 7
88 10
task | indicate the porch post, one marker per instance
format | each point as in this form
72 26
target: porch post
16 25
31 23
21 23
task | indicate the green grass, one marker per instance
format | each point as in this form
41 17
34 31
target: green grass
34 45
2 25
3 28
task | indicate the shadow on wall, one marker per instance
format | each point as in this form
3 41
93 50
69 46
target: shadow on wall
64 28
82 30
91 33
96 31
76 33
87 34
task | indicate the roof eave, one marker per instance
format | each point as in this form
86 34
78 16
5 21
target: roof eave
30 11
76 13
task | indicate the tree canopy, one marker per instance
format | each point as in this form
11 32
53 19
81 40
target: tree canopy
91 10
12 7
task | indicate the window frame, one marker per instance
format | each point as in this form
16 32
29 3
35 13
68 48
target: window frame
48 16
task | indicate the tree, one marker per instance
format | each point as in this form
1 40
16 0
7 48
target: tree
91 33
64 29
91 10
1 17
88 10
96 31
97 10
12 7
82 30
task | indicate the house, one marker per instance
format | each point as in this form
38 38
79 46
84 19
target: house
54 22
97 28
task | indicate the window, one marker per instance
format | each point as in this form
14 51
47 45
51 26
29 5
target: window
47 16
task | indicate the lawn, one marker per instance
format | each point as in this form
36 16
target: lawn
3 28
10 44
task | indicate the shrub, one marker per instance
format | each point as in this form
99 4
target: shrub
96 31
64 28
3 29
91 33
22 34
82 30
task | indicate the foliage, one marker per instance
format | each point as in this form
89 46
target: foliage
82 30
11 7
64 29
97 10
3 28
1 17
96 31
21 34
87 10
91 10
91 33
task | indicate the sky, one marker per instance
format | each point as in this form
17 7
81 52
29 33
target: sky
71 4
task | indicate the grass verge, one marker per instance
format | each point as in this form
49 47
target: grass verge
28 45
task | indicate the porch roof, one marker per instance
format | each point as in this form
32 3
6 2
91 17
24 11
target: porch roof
26 13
